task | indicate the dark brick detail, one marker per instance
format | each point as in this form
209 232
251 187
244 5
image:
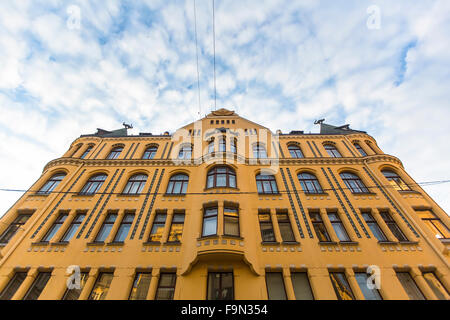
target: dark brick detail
57 204
348 148
143 205
170 150
137 146
300 204
294 211
310 146
103 146
128 152
150 208
318 151
392 203
164 150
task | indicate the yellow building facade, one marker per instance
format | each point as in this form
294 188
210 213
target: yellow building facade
224 208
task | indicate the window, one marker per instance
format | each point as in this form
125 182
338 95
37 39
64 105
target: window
158 227
302 287
309 183
341 286
124 228
176 228
275 286
141 284
209 222
233 145
14 227
369 294
185 152
220 286
13 285
55 227
86 152
221 177
266 184
265 223
230 221
332 151
166 286
74 294
396 231
374 227
259 151
338 227
435 224
106 227
295 151
360 150
135 184
438 288
396 182
178 184
354 183
115 153
410 286
150 153
51 184
76 223
371 147
319 227
222 145
101 287
94 184
38 286
287 235
211 146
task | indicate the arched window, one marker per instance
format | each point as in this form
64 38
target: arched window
86 152
295 151
360 149
51 183
259 151
93 184
135 184
150 152
266 183
221 177
332 151
354 183
178 184
185 152
396 182
309 183
115 153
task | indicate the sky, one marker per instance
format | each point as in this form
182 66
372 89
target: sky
70 67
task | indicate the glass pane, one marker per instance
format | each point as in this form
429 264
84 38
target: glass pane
101 287
104 232
232 181
176 231
231 226
140 286
369 294
165 294
38 286
122 232
397 232
321 232
157 232
267 232
341 286
177 187
286 232
209 226
410 286
13 285
377 231
275 286
221 180
210 183
51 232
340 232
302 288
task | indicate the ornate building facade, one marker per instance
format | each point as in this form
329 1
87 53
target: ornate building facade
225 209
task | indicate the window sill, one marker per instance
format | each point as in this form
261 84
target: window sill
174 195
349 243
327 242
309 194
40 243
408 242
387 242
115 244
60 243
212 188
228 236
409 191
364 193
213 236
152 243
80 195
269 194
99 244
270 243
129 195
40 195
290 243
172 243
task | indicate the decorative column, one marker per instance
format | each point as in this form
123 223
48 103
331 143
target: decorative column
88 286
350 274
56 285
121 284
156 272
321 284
288 284
328 226
422 284
276 228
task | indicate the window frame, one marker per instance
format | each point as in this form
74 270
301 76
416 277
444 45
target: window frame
185 152
414 287
337 224
319 222
12 282
438 228
85 191
360 149
15 224
157 223
104 225
84 276
266 222
229 174
41 279
87 151
285 221
150 153
134 286
115 153
261 179
234 218
51 184
313 181
97 281
125 223
216 215
305 273
332 150
258 150
390 221
373 222
211 273
359 187
136 179
280 274
172 286
346 284
55 227
295 151
176 179
74 224
395 180
174 223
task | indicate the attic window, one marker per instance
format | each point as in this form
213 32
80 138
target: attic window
212 121
232 121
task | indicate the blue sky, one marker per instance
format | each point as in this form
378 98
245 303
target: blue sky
282 64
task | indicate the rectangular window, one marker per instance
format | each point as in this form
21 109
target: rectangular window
396 231
14 227
101 287
55 227
220 286
287 235
374 227
302 287
38 286
76 223
141 284
158 227
435 224
265 223
410 286
369 294
13 285
176 228
231 221
166 286
74 294
338 227
319 227
106 227
209 222
438 288
275 286
124 228
341 286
